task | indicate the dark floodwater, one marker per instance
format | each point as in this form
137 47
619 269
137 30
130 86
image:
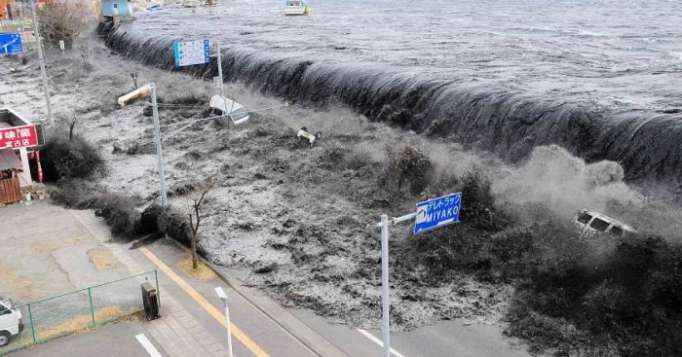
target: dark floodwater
601 78
623 54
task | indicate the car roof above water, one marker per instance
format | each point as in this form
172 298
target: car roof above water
606 218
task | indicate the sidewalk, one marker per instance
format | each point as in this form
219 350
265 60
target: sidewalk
51 250
192 320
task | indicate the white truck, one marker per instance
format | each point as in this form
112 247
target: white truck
11 323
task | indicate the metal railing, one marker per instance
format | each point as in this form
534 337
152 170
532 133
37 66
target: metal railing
79 310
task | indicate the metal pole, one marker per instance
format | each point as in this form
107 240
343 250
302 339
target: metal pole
385 288
46 91
220 69
33 328
92 307
158 292
220 76
159 152
229 331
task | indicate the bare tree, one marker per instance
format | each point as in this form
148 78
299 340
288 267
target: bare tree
72 126
196 200
64 20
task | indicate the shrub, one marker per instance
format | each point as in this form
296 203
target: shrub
406 167
118 211
63 158
168 222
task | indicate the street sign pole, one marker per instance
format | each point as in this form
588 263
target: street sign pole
220 76
43 71
220 69
157 139
385 288
430 215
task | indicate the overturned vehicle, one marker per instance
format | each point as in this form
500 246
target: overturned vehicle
592 223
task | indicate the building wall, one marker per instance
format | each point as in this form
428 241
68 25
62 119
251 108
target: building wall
25 177
3 8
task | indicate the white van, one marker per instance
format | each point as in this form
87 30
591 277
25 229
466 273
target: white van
591 222
10 321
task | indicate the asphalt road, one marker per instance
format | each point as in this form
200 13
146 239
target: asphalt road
192 321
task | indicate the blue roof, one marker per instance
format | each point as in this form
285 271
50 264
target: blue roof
107 8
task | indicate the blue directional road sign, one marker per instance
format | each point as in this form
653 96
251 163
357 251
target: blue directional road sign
187 53
437 212
10 43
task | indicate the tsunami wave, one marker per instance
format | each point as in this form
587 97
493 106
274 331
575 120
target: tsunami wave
510 124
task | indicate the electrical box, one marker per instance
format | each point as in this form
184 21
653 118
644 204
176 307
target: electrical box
150 301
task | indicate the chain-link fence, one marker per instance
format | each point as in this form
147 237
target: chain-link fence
75 311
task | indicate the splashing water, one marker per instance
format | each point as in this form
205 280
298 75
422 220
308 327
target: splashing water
596 78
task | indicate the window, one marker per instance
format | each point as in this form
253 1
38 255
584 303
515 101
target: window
616 231
584 218
4 310
600 224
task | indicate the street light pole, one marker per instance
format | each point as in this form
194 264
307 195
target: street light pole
159 151
221 294
36 34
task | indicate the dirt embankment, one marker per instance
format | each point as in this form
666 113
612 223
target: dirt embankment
297 220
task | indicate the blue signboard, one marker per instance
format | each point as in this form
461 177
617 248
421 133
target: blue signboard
10 43
187 53
437 212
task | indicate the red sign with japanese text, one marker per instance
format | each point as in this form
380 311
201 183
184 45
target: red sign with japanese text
24 136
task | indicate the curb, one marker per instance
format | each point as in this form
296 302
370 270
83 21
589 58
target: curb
298 330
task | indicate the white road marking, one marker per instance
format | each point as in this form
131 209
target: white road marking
379 342
142 339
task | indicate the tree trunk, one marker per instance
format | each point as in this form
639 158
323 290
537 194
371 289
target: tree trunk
195 264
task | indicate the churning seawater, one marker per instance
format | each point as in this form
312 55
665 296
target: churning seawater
601 78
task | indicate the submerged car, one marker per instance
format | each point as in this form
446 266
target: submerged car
591 222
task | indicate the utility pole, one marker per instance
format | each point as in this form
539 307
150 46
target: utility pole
149 90
157 139
46 90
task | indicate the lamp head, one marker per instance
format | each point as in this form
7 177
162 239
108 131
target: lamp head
221 293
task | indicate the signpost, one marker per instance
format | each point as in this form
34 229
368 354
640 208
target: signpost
430 215
188 53
11 43
17 137
438 212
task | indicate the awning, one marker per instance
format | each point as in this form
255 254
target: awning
9 160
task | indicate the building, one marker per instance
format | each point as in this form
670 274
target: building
112 8
17 135
6 9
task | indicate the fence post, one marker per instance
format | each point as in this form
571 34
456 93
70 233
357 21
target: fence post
158 292
33 328
92 308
